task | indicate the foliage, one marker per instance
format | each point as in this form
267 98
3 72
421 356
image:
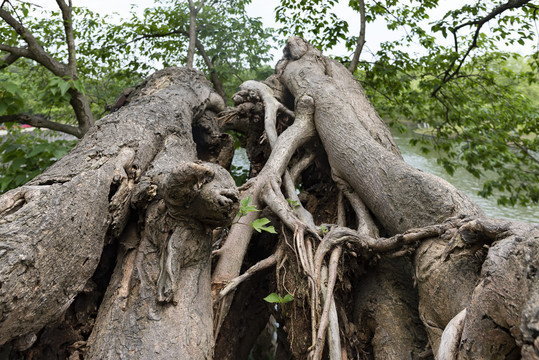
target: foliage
293 203
239 174
259 225
478 99
246 207
231 40
11 98
102 75
24 155
275 298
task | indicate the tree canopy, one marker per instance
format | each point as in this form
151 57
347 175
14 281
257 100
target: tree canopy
477 98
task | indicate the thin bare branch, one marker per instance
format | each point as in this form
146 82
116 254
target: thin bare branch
261 265
360 39
449 72
40 121
8 59
216 81
67 17
17 51
193 12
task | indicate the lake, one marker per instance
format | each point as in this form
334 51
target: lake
463 181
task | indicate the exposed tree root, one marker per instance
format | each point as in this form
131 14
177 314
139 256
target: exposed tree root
283 147
449 343
378 194
261 265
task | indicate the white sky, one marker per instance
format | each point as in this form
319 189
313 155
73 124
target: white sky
375 33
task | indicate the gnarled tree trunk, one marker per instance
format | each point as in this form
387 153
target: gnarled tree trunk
135 182
383 261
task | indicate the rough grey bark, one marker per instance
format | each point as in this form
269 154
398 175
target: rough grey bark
139 166
453 258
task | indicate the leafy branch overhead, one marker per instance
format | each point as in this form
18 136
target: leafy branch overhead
19 41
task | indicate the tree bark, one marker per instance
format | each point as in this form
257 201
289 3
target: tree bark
139 166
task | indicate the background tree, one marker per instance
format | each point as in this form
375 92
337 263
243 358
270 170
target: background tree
461 84
106 66
227 40
20 41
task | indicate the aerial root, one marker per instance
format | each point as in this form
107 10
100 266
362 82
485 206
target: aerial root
328 302
364 219
261 265
450 340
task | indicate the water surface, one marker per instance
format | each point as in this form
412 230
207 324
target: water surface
463 181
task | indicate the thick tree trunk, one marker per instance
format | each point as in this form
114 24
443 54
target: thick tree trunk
138 166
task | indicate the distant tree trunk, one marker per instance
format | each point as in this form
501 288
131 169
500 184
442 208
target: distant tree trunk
361 38
107 254
193 12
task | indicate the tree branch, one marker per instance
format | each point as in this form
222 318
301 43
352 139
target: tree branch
34 48
67 17
7 60
218 85
449 74
17 51
193 11
360 39
39 121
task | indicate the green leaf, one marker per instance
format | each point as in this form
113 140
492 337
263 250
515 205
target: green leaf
20 179
293 203
37 150
323 229
259 225
273 298
16 163
287 298
246 207
58 153
64 87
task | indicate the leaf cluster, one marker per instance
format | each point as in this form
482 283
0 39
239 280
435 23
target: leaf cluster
275 298
24 155
259 225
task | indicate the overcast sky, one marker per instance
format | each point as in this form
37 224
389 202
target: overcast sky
375 34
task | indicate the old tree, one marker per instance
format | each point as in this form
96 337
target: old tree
138 244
